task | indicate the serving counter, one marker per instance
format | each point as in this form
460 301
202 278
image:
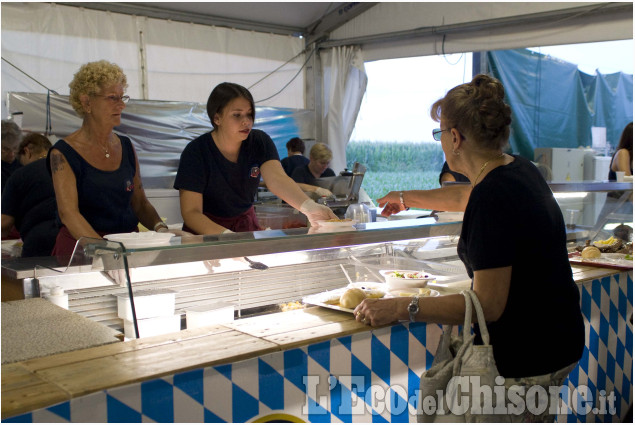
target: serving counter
308 364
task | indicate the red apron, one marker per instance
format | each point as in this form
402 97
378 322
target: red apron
65 242
245 222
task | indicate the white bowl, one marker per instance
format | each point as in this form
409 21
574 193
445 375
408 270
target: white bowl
409 292
445 217
397 279
141 239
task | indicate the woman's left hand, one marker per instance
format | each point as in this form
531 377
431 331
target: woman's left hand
377 312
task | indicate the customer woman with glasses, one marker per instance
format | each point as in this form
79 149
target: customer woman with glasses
95 171
512 243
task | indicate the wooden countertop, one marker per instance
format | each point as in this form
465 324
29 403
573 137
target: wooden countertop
42 382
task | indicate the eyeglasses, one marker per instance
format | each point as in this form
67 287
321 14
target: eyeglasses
115 99
436 133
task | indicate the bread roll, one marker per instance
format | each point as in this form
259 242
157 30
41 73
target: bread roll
591 252
352 297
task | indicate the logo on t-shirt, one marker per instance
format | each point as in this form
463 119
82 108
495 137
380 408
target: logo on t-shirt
255 172
129 186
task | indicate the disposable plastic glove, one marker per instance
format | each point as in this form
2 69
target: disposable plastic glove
320 191
315 212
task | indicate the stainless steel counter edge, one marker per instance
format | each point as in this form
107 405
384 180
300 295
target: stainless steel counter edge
237 245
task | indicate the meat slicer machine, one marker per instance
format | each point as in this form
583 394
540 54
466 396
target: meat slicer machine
345 189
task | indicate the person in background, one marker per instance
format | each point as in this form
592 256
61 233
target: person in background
623 157
319 160
295 156
219 171
296 159
448 175
11 137
622 160
28 201
95 171
513 272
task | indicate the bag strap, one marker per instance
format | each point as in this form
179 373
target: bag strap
468 339
467 321
482 324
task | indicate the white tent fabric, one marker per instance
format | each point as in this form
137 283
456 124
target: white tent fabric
478 26
344 87
163 60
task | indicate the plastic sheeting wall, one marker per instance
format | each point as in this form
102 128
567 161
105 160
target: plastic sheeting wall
159 130
555 105
163 60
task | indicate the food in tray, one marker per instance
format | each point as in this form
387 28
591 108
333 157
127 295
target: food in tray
591 252
352 297
610 245
423 292
337 220
409 292
409 275
397 279
293 305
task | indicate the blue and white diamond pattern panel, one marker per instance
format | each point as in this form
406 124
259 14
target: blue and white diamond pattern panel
353 378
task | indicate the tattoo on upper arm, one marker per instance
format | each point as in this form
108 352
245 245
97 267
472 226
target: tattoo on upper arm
57 162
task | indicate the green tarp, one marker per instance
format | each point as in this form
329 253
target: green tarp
555 105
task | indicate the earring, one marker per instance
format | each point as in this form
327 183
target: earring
457 153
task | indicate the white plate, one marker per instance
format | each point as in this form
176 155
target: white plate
445 217
326 299
381 286
409 292
403 282
343 223
141 239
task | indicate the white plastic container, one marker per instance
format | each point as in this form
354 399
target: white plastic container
58 297
210 314
148 303
153 326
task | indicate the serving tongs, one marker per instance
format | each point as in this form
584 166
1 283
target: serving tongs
256 264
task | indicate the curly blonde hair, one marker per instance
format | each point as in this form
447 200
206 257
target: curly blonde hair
91 78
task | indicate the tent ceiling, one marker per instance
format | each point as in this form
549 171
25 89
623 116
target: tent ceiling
292 18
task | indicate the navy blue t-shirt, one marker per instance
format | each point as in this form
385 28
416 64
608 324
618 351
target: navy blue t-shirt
290 163
104 196
304 175
512 219
30 199
8 169
228 188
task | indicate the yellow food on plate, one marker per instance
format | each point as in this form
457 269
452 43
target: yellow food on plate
425 292
352 297
591 252
609 241
374 293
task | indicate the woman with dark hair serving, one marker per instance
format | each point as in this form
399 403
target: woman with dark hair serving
219 171
522 278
